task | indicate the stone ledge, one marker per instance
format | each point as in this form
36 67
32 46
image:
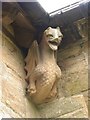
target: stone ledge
65 105
80 113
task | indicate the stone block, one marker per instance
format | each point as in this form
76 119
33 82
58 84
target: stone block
86 95
31 110
69 63
73 83
74 66
82 25
13 91
0 39
9 28
13 88
13 95
6 112
12 83
81 113
69 52
73 104
73 62
12 57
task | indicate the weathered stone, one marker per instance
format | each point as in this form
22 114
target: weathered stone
82 25
86 95
12 56
81 113
9 28
73 83
0 40
31 111
74 48
12 83
69 52
41 67
0 88
13 95
63 106
73 61
6 112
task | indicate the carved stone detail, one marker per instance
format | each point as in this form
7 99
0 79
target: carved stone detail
42 69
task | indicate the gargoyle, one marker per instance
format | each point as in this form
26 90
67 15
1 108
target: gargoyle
42 69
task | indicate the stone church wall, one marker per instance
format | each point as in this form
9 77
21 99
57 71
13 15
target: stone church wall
73 86
13 102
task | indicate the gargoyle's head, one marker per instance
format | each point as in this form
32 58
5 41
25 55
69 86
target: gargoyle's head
53 37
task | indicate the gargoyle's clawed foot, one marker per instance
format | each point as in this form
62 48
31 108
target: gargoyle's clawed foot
52 94
30 90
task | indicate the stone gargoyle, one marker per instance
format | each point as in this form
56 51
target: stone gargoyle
41 67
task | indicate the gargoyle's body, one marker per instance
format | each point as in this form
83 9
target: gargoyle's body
45 74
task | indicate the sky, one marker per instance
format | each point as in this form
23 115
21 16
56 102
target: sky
52 5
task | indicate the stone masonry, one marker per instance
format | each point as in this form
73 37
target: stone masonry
72 100
14 103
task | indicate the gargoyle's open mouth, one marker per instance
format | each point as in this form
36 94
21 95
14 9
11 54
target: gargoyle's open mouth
53 45
53 42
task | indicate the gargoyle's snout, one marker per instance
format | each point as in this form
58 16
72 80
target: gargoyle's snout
56 39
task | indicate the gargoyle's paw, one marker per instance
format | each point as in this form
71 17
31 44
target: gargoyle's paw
53 93
32 91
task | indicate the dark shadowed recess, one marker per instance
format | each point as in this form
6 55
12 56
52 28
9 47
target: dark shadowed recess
29 20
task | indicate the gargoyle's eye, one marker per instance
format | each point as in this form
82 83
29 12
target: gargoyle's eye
61 36
50 35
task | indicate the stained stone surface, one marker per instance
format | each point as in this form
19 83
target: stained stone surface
73 97
12 83
65 107
73 61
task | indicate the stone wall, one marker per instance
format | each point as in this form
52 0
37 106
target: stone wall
73 61
13 102
73 85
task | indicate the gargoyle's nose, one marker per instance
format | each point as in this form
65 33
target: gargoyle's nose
56 39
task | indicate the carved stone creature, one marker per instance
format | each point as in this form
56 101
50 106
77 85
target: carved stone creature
42 69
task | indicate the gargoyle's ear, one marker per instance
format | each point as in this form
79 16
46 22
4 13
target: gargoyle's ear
58 28
48 28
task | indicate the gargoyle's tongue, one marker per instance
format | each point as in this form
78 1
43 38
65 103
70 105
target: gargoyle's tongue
53 47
